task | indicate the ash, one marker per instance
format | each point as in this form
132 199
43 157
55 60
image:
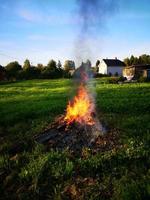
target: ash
75 137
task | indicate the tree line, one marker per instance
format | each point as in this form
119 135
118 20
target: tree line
141 60
14 71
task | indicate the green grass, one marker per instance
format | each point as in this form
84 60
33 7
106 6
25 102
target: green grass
27 107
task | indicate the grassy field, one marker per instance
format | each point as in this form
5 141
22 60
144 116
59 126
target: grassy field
28 171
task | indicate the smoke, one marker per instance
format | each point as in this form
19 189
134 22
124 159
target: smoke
93 15
94 12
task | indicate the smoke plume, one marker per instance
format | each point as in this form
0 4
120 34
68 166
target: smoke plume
94 12
93 15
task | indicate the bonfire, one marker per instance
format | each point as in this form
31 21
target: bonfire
79 126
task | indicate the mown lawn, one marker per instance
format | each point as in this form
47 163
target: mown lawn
28 171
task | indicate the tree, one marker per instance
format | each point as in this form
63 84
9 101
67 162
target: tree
131 60
40 66
135 61
96 67
52 65
97 63
26 65
52 70
141 60
59 65
12 69
2 73
127 61
144 59
69 65
60 71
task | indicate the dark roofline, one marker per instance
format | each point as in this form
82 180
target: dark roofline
114 63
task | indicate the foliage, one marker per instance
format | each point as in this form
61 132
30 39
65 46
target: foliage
59 65
142 79
40 66
54 70
26 65
113 79
69 65
51 65
143 59
51 71
97 62
2 73
12 69
31 73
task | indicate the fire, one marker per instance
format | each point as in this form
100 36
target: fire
81 108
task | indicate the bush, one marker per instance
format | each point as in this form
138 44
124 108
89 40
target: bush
121 78
98 75
12 69
52 74
116 74
142 79
66 74
110 74
113 80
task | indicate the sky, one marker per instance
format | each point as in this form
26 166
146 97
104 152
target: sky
41 30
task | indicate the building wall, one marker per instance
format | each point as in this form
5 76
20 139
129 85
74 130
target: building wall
102 68
113 70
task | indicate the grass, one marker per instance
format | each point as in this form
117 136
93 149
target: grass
27 107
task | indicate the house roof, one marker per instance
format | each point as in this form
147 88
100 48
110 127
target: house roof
114 62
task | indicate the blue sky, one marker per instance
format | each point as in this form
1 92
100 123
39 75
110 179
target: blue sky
44 29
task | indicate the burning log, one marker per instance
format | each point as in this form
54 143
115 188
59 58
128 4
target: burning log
75 137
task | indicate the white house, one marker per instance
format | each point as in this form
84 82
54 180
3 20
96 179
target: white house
111 67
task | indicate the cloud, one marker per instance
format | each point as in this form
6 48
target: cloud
52 18
29 15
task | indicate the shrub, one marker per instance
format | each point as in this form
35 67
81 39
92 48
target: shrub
110 74
116 74
142 79
121 78
12 69
98 75
113 80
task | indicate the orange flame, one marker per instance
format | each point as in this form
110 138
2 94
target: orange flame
80 109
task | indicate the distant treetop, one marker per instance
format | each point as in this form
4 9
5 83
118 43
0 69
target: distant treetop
143 59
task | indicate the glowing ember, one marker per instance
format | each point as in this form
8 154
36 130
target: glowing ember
81 108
